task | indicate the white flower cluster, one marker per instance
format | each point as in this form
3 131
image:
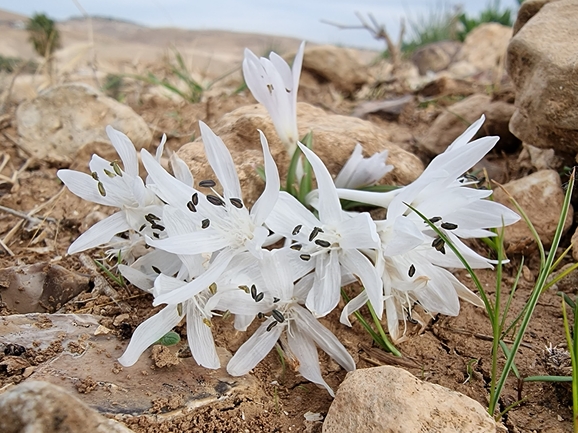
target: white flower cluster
197 248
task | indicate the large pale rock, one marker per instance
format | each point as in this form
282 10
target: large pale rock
452 122
41 407
389 399
341 66
334 138
527 10
436 56
485 46
64 118
541 196
542 64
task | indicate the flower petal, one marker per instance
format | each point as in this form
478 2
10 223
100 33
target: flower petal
358 232
266 202
254 349
148 332
125 150
83 186
325 293
359 265
100 233
200 339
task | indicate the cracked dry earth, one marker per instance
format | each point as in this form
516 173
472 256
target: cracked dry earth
450 351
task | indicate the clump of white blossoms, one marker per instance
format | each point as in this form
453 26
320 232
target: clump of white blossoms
209 255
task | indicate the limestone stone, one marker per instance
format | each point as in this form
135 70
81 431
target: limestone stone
486 45
436 56
541 196
542 63
64 118
527 10
390 399
334 138
340 66
452 122
42 407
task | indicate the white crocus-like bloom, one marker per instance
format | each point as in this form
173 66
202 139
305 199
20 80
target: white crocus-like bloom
299 331
359 171
330 242
111 185
412 256
275 85
227 227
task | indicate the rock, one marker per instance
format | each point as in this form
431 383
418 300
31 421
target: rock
75 354
390 399
436 56
542 159
41 407
446 86
574 241
541 196
527 10
542 65
452 122
388 108
485 46
40 287
334 138
64 118
340 66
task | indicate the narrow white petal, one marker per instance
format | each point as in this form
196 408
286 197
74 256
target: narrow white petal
200 339
296 70
100 233
405 236
329 206
324 338
359 265
306 353
344 176
358 232
277 274
352 306
148 332
125 150
181 170
266 202
325 294
202 241
254 349
381 199
221 161
287 214
137 278
83 186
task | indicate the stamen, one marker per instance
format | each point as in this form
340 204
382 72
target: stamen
296 247
213 288
180 308
142 227
156 226
253 291
449 226
244 288
191 206
109 173
236 202
157 270
271 325
205 223
411 271
259 297
278 316
322 243
207 183
305 257
101 189
314 233
214 200
195 199
151 218
296 230
94 175
275 300
435 219
116 168
155 235
260 315
438 244
270 88
207 322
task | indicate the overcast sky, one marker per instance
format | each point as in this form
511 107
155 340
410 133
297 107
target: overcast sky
297 18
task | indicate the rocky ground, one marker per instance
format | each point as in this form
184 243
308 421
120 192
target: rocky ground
64 321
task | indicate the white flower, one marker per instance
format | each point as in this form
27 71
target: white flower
359 171
111 185
223 223
329 242
275 85
299 331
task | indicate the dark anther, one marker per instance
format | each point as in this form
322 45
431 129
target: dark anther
214 200
207 183
191 206
438 243
278 316
296 247
322 243
151 218
314 233
101 189
305 257
435 219
296 230
116 168
157 270
94 175
411 271
109 173
142 227
156 226
259 297
155 235
236 202
244 288
260 315
195 199
271 325
253 291
449 226
275 300
205 223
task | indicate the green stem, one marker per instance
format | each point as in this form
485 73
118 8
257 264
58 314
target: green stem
377 322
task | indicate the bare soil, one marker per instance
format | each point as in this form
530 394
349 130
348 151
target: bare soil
450 351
